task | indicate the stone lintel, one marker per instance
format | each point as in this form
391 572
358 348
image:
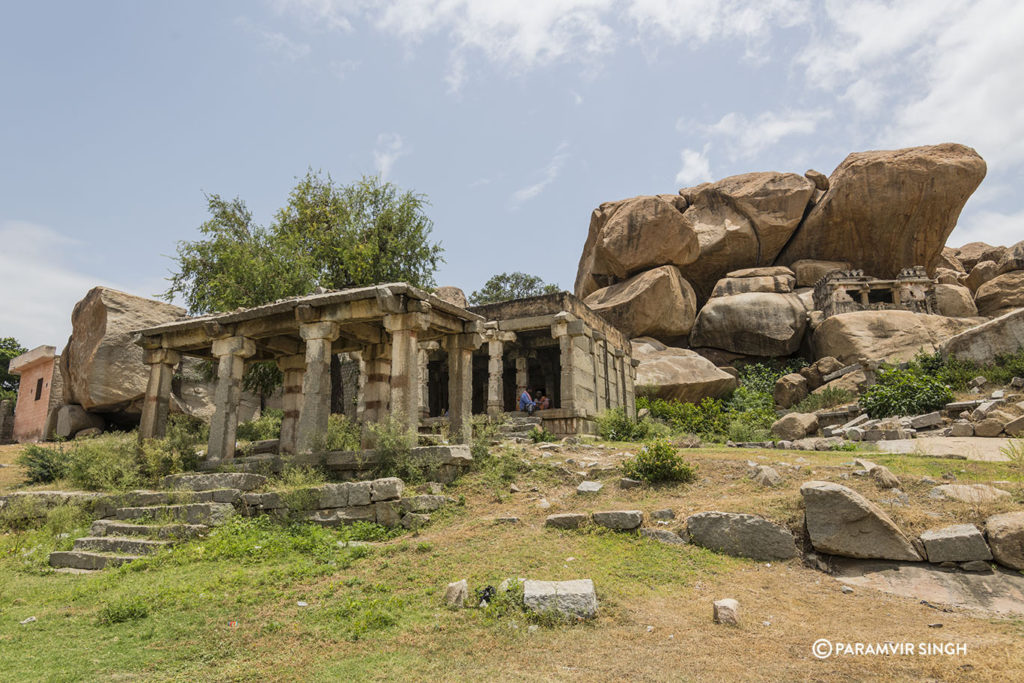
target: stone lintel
161 356
319 330
243 347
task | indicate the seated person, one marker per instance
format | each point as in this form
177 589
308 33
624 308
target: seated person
526 403
543 402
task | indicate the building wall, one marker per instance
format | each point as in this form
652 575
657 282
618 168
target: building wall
34 404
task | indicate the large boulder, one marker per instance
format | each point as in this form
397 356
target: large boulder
741 535
1006 538
809 271
790 389
840 521
753 324
738 222
955 301
1012 258
1001 294
101 365
887 210
680 374
981 273
776 280
657 303
883 335
794 426
981 344
633 235
972 253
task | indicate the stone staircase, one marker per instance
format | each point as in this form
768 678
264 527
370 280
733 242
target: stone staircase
519 427
150 521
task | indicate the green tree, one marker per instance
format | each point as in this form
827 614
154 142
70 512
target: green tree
327 235
9 349
507 286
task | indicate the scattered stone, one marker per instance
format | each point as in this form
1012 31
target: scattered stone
567 520
884 477
961 428
741 535
456 594
989 427
506 520
681 374
968 493
568 598
956 543
414 520
764 475
543 504
589 487
622 520
29 620
662 536
840 521
727 611
933 419
795 426
1006 538
512 488
663 515
846 589
627 483
976 566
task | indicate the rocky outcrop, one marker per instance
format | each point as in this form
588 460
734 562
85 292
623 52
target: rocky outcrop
840 521
955 301
981 344
738 222
973 253
980 274
1011 259
679 374
754 324
657 303
741 535
883 335
1001 294
809 271
101 366
633 235
887 210
775 280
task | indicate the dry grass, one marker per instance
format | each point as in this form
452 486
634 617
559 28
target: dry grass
10 476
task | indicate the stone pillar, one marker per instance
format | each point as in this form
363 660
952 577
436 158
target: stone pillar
376 382
423 359
294 369
316 383
406 387
157 404
230 354
522 372
460 349
631 387
495 377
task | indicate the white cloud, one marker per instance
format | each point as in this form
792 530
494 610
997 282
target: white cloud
390 147
278 43
695 169
989 226
548 175
342 68
701 21
745 138
40 290
332 14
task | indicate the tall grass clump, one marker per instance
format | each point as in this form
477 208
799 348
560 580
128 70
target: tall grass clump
658 461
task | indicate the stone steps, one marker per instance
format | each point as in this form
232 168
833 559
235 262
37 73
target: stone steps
121 545
191 513
242 481
88 560
106 527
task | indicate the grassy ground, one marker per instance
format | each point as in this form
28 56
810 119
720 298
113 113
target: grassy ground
227 608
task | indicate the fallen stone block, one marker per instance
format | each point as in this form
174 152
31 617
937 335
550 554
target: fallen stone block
933 419
956 543
968 493
389 488
243 481
1006 538
741 535
456 594
620 520
589 487
568 520
566 598
662 536
726 611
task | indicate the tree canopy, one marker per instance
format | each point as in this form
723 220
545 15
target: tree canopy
9 349
507 286
327 235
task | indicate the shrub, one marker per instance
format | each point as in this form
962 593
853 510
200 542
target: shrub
393 444
829 397
485 431
266 426
904 392
126 609
106 462
342 435
762 376
615 425
658 461
44 464
540 435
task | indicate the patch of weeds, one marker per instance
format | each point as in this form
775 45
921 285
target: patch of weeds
485 431
615 425
904 392
506 603
658 461
362 616
123 610
44 464
761 377
424 547
541 435
107 462
1014 450
266 426
829 397
20 513
393 444
342 434
844 446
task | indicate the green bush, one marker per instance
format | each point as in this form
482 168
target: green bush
762 376
485 431
106 462
44 464
829 397
615 425
904 392
393 443
658 461
540 435
266 426
342 435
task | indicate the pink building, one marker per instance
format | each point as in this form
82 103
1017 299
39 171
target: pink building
40 393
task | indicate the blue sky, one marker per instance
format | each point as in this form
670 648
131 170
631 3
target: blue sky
515 118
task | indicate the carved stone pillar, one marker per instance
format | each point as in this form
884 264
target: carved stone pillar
316 383
406 389
230 353
460 349
156 407
294 369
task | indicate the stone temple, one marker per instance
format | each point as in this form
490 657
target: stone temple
418 355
